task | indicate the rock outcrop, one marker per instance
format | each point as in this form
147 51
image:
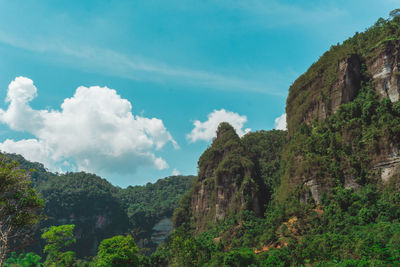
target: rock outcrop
227 182
387 162
335 80
385 71
318 94
343 90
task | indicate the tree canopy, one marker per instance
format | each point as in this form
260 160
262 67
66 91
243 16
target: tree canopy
58 239
118 251
20 207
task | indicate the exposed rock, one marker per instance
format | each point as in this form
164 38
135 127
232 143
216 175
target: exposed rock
389 165
315 96
385 71
227 181
323 103
347 84
161 230
315 190
324 97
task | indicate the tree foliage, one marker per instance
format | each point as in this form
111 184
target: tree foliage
100 210
147 205
23 260
87 201
58 239
118 251
20 207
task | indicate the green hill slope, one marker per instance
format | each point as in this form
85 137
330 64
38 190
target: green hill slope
100 210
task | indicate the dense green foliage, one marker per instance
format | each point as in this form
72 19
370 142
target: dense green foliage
100 210
24 260
236 174
343 145
265 149
20 207
37 172
146 205
368 45
348 227
58 239
118 251
89 202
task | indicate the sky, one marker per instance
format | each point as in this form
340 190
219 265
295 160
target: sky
134 90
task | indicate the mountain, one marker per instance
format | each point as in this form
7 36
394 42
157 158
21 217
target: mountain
230 179
324 193
346 105
100 210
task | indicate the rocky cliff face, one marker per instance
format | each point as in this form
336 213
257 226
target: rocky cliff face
385 71
328 88
335 80
343 90
227 182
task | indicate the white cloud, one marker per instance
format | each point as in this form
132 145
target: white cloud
280 122
94 131
175 172
207 130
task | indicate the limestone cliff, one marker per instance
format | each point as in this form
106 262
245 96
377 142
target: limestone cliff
335 79
384 68
367 60
319 103
227 182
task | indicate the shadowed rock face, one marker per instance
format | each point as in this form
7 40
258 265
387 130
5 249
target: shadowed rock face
343 90
227 181
161 230
348 81
384 68
319 97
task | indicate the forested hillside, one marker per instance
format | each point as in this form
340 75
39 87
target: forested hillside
100 210
333 179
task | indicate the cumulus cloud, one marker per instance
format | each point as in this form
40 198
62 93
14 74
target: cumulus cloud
175 172
94 131
280 122
207 130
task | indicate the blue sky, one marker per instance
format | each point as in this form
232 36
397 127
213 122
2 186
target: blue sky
176 61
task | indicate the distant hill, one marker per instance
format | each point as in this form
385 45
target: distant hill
100 210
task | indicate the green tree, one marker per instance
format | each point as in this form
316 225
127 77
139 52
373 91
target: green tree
118 251
25 260
240 257
58 238
20 207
